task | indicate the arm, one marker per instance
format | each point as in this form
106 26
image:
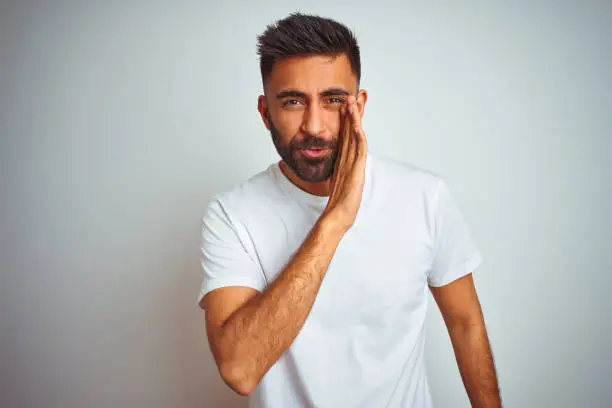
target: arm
249 331
462 314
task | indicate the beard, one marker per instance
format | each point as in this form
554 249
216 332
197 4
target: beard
315 169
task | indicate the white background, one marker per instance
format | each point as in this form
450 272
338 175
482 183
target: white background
119 120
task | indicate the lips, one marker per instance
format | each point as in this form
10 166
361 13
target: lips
315 152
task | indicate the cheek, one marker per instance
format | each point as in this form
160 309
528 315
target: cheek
287 123
332 122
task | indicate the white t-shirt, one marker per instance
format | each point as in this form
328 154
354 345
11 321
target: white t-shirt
362 344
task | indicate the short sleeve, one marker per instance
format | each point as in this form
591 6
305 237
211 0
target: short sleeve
455 254
224 258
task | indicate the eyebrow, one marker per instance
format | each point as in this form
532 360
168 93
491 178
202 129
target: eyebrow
299 94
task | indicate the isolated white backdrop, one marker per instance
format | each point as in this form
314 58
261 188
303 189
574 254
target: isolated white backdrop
119 120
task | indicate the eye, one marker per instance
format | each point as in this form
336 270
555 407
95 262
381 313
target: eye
335 100
291 102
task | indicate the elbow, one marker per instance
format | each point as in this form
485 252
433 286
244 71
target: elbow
237 378
475 328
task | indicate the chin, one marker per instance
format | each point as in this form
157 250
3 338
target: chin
314 172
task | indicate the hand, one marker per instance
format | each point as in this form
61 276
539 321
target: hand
348 177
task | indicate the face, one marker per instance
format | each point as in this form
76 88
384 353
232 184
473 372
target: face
302 111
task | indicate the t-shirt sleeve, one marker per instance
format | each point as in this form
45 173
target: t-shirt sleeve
455 254
224 258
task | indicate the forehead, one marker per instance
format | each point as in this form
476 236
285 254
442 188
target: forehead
312 74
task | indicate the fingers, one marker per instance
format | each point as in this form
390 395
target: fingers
352 145
358 134
353 111
349 134
346 133
343 137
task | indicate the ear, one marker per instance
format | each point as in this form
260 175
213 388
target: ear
362 98
262 107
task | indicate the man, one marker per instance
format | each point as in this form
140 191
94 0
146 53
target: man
316 270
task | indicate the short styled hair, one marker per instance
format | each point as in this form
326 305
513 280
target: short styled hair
306 35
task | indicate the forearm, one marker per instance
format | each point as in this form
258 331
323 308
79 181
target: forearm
475 361
256 335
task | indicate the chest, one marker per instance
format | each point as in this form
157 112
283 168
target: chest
378 271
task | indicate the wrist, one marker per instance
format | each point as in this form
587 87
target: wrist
330 226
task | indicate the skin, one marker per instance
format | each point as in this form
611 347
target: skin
303 101
315 101
248 331
458 302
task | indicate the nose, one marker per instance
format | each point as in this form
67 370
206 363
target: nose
313 123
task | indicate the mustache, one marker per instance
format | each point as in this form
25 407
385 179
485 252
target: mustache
312 142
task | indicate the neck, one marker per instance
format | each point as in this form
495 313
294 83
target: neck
320 188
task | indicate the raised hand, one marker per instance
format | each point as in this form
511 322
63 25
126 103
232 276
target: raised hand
349 170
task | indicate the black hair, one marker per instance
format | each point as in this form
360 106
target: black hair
304 35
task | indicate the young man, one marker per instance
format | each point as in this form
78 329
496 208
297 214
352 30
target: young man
316 270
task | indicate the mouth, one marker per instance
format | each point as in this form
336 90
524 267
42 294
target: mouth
315 152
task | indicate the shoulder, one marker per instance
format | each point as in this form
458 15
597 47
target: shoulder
247 196
405 176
